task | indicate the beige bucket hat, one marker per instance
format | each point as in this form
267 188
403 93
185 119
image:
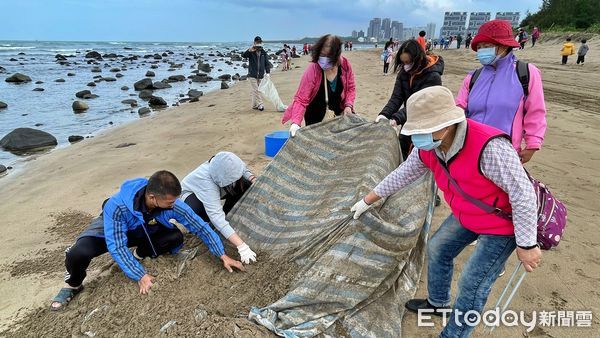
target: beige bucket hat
430 110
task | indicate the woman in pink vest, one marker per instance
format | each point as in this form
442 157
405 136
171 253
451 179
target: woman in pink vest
483 163
330 71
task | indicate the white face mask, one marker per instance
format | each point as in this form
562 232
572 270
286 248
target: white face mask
259 45
407 67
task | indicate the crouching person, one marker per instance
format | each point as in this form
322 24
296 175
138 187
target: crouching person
224 177
137 216
470 161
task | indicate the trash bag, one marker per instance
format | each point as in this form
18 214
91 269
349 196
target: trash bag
268 90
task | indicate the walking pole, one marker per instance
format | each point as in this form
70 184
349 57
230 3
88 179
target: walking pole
512 293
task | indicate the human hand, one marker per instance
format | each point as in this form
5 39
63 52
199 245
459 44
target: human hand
380 117
348 110
246 254
145 284
530 258
230 263
294 129
526 155
393 123
359 208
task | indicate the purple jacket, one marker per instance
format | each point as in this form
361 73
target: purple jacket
497 99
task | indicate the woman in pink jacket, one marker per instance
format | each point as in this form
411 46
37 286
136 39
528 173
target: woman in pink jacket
497 97
309 101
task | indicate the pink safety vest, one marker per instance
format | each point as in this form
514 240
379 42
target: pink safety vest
465 168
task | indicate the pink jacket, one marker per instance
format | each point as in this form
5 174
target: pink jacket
309 86
529 127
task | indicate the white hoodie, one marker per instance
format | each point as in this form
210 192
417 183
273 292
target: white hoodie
207 183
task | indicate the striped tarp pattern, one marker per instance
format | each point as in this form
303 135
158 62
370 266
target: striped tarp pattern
355 274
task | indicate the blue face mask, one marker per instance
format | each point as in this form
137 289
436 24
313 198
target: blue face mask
487 56
325 62
425 141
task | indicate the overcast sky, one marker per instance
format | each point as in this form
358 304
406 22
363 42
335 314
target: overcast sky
220 20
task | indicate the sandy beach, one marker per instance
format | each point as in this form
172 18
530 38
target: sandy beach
38 203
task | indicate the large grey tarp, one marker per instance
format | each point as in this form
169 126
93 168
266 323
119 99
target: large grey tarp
355 274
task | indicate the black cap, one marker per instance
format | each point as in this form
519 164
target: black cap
257 39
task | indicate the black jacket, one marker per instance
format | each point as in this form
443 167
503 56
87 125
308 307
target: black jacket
258 63
407 84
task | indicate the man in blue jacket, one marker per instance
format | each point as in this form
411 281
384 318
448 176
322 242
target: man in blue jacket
137 216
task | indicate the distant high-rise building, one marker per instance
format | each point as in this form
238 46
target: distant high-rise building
374 28
430 31
454 23
513 17
361 33
386 27
413 32
397 30
477 19
354 34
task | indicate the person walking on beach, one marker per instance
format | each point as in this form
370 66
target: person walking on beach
459 40
519 114
258 67
224 177
137 216
522 37
327 84
416 71
387 52
482 162
468 40
421 40
283 57
442 42
567 50
583 49
535 35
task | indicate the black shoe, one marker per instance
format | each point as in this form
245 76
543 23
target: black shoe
414 305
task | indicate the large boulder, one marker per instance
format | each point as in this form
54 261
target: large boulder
3 105
26 139
93 55
157 101
18 78
3 169
80 106
143 84
195 93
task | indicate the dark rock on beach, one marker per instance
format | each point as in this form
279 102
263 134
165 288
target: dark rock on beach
93 55
75 138
143 111
3 105
124 88
59 80
157 101
161 85
145 94
2 169
143 84
150 73
18 78
177 78
91 84
130 102
195 93
224 85
38 89
26 139
39 82
82 93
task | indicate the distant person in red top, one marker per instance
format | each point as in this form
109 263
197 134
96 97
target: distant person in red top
421 40
535 34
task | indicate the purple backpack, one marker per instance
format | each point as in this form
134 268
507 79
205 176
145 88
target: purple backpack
552 213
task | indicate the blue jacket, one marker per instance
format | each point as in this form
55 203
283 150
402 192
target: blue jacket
120 217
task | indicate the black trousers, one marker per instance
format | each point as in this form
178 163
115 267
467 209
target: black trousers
564 59
580 59
386 66
80 255
230 201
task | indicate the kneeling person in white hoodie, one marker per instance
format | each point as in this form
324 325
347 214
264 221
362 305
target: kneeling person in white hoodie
224 176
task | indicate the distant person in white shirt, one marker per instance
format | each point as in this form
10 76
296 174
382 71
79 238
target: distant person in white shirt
224 177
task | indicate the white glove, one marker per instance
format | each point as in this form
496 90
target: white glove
293 129
359 208
246 254
267 75
380 117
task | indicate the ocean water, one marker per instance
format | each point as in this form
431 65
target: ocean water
51 109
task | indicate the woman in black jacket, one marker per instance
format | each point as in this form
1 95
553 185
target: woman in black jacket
417 70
